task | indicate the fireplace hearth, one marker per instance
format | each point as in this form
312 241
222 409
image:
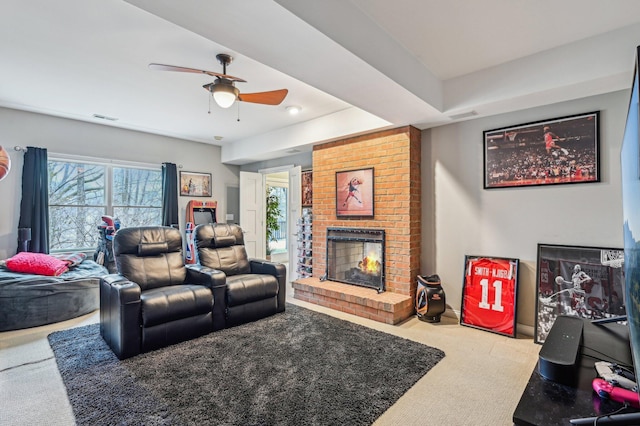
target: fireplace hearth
356 256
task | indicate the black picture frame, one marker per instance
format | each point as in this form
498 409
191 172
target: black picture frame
354 193
562 150
194 184
594 289
306 179
490 294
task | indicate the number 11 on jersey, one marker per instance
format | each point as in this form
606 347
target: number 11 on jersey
497 300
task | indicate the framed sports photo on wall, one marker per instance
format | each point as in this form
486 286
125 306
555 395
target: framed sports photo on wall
194 184
307 188
556 151
489 294
354 193
585 282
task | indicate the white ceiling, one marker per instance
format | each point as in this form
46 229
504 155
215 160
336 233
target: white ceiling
353 65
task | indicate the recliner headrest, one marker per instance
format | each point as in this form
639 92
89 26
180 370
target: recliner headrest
151 249
223 241
218 235
147 241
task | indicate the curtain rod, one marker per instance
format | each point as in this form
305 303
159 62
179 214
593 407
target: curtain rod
94 159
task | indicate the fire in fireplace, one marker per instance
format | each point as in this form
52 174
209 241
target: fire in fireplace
356 256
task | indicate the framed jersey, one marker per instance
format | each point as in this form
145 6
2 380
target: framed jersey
489 294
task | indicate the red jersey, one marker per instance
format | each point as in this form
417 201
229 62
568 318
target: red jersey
548 140
488 299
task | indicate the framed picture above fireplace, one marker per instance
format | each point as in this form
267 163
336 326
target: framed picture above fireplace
489 294
354 193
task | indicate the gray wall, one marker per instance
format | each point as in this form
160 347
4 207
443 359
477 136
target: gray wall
303 159
64 136
460 217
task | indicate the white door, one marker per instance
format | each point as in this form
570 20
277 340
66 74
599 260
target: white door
252 213
295 211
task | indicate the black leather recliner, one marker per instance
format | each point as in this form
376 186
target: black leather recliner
154 300
255 288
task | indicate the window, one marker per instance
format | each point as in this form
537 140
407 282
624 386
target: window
80 193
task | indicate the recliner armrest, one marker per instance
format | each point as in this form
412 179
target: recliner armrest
260 266
120 315
278 270
216 280
121 290
112 278
208 277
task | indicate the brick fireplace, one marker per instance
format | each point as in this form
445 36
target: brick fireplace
395 157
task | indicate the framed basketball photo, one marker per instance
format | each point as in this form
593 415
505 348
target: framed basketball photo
489 294
585 282
561 150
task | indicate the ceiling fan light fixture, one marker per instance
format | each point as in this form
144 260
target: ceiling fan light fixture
293 109
224 94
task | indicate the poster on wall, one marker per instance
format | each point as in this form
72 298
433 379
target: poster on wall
585 282
354 193
194 184
307 189
489 294
556 151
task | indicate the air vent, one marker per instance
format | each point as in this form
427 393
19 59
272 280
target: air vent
104 117
463 115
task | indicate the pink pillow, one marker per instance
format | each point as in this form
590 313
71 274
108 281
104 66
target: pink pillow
36 263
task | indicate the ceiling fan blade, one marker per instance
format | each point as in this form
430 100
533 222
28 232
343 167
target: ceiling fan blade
274 97
162 67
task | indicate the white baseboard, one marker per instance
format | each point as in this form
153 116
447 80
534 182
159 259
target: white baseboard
522 329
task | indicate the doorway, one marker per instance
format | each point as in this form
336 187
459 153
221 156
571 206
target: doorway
277 220
253 217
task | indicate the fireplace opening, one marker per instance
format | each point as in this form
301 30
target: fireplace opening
356 256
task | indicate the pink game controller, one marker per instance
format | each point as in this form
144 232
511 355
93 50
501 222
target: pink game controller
605 389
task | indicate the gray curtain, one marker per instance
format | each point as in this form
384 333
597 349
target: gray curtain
34 206
169 194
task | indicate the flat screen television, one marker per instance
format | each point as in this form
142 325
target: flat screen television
630 174
630 171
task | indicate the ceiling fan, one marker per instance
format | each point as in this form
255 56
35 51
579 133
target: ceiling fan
223 89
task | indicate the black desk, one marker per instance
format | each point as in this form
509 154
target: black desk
548 403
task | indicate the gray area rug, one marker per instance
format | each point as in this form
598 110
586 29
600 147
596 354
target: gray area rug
299 367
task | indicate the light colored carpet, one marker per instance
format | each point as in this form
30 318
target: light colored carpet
479 382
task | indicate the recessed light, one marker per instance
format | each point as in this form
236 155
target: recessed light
218 138
293 109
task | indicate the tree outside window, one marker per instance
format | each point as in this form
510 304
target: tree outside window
80 193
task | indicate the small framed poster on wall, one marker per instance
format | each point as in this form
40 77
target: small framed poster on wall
489 294
194 184
354 193
307 189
